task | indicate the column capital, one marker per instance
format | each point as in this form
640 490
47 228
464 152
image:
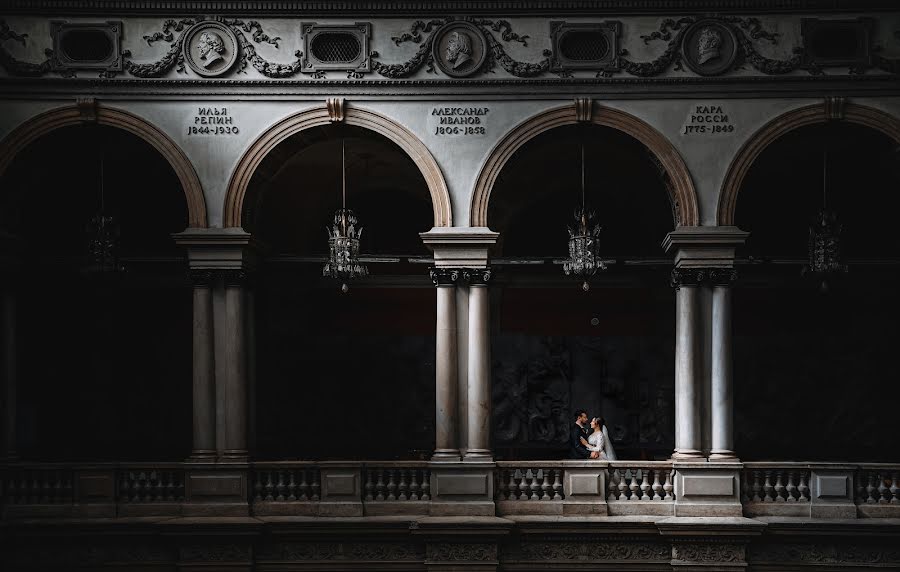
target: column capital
477 276
201 277
445 276
699 276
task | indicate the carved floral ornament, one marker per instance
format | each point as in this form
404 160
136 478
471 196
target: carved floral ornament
457 48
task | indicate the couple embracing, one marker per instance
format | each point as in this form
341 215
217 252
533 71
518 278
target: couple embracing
592 442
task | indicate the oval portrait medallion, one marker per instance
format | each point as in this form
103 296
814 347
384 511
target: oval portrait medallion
459 49
210 48
709 47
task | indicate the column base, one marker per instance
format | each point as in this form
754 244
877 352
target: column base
202 456
681 454
723 456
445 456
234 456
478 456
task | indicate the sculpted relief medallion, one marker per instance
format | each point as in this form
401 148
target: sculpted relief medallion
709 47
460 49
210 49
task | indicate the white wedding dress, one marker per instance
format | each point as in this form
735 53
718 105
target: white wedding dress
599 441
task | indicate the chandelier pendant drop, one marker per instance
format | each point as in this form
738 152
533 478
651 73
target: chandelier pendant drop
584 259
825 240
343 239
103 235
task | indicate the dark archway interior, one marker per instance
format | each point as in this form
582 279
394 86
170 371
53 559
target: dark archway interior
555 347
811 367
342 376
104 361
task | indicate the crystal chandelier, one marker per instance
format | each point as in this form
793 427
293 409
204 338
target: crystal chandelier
103 235
343 239
584 260
825 239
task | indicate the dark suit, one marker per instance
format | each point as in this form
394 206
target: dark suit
578 451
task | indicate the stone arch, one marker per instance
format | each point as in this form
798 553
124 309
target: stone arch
680 184
53 119
409 143
784 123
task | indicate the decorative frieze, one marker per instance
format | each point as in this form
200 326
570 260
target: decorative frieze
708 552
461 551
827 554
348 551
594 549
465 47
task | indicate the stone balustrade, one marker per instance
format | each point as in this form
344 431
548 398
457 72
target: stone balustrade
617 488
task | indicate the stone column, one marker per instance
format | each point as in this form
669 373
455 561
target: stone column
204 393
9 374
446 383
235 383
687 390
479 382
722 373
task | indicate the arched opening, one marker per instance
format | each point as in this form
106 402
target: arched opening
361 361
557 348
103 359
809 364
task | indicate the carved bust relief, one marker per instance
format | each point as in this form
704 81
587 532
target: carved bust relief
709 47
460 49
210 49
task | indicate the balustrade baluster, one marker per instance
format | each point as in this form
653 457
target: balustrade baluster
623 486
269 487
534 487
523 484
870 490
557 484
402 487
279 485
414 488
791 488
803 488
895 490
370 485
669 485
612 488
657 486
426 485
124 487
291 485
645 486
315 488
768 488
883 491
379 486
545 484
779 487
757 488
391 486
633 485
512 489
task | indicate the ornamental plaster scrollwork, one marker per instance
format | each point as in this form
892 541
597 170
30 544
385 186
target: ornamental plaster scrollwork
708 552
15 66
495 53
175 58
591 550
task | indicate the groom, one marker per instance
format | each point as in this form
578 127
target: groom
578 434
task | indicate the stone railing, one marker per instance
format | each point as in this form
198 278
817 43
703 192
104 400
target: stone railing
382 488
820 490
640 487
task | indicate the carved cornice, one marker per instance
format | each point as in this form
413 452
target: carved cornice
703 276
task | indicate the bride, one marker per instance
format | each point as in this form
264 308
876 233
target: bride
598 442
